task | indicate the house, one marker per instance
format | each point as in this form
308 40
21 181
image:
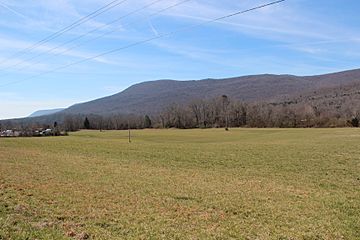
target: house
31 133
46 132
8 133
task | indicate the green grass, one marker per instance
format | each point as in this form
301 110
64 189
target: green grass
182 184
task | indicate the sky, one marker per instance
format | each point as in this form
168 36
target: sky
300 37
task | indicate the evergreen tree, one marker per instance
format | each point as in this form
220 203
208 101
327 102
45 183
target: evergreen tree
147 122
87 123
355 122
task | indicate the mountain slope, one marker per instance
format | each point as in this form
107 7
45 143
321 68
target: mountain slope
152 97
45 112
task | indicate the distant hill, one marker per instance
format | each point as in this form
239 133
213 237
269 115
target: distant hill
152 97
46 112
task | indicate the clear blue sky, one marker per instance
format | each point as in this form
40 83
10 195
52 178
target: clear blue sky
302 37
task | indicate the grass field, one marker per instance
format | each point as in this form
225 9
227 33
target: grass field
182 184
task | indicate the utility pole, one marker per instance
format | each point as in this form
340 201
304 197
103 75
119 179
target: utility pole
226 102
129 131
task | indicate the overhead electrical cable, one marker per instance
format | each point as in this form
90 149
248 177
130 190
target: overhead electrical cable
77 23
99 36
84 35
149 40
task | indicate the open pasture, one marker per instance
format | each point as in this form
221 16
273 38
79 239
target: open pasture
182 184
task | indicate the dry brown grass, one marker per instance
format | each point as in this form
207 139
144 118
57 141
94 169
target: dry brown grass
173 184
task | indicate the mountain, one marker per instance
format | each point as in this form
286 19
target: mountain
45 112
152 97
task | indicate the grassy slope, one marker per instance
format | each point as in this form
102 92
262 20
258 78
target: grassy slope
190 184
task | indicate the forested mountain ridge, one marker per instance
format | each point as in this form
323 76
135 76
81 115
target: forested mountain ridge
329 96
152 97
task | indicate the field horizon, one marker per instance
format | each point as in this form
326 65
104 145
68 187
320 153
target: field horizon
182 184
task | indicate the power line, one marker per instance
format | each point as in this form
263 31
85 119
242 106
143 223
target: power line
102 35
150 39
83 35
82 20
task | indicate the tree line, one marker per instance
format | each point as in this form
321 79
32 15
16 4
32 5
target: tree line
220 112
